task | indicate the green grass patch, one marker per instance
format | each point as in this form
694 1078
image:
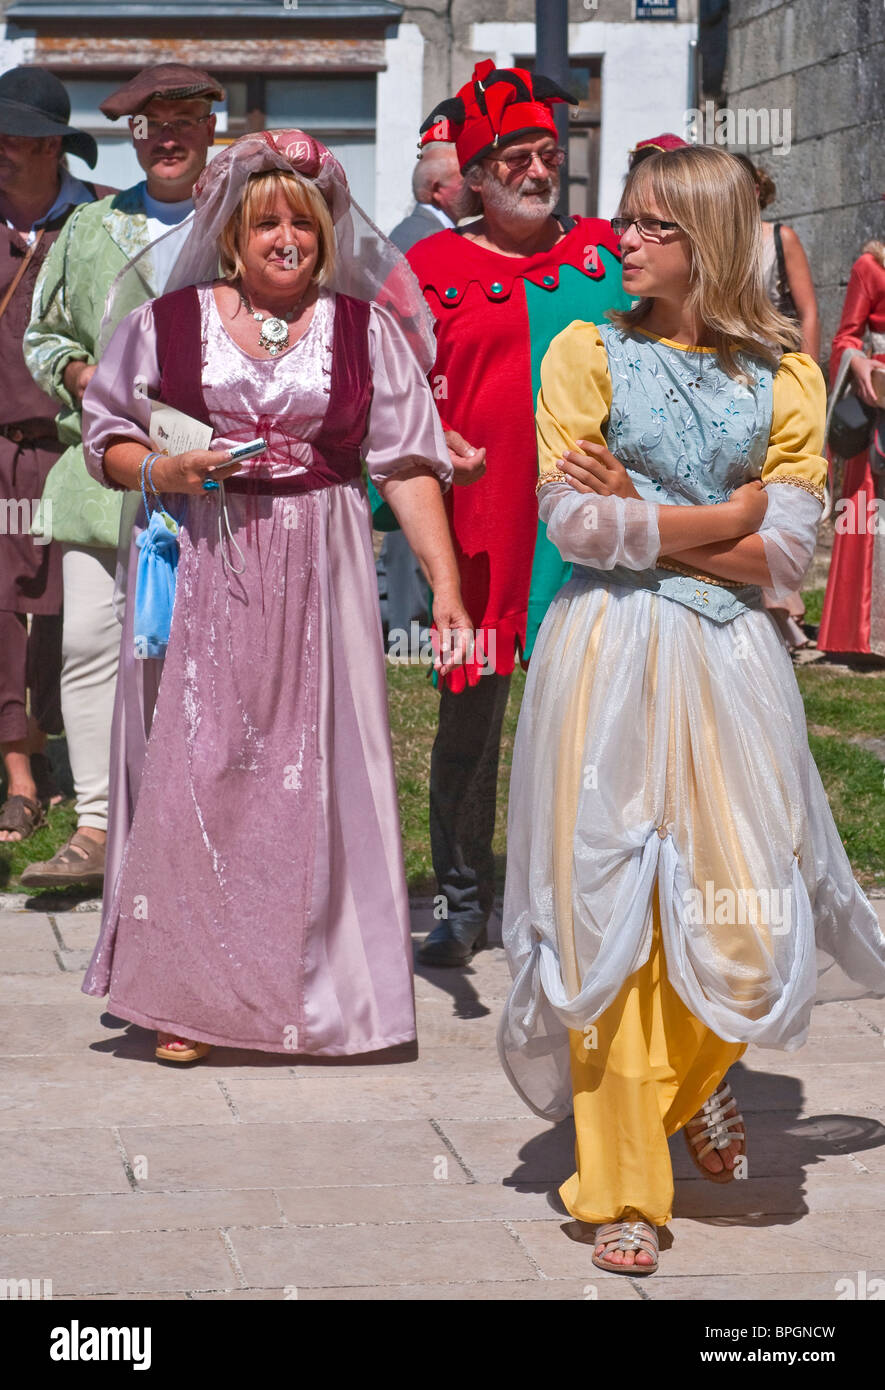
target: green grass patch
848 704
853 779
414 710
814 606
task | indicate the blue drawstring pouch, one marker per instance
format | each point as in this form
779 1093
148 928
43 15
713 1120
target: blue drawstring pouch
155 583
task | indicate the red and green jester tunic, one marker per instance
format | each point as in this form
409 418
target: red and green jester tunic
495 318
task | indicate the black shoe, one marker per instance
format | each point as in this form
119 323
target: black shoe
451 943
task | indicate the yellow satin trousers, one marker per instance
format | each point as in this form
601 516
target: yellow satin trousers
645 1071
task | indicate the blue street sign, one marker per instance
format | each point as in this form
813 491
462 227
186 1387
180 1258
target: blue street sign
655 9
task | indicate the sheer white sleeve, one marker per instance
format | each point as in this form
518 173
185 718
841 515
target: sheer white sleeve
788 533
601 532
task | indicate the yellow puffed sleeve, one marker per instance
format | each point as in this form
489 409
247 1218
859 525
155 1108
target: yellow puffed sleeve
799 401
575 396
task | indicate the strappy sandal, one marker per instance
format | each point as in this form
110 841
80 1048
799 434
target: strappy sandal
22 815
194 1053
720 1131
627 1235
80 861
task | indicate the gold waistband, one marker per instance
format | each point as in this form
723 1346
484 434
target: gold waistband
674 565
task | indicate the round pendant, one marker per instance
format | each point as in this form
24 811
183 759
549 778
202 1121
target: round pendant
274 332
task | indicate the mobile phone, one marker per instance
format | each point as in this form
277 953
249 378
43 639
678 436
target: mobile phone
246 451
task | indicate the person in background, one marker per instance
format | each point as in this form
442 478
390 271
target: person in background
172 127
785 269
655 144
37 196
438 187
500 288
786 276
853 618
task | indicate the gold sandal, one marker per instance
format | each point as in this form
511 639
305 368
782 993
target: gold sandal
720 1132
627 1235
194 1053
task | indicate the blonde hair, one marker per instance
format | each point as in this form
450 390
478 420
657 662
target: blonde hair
258 197
876 249
710 195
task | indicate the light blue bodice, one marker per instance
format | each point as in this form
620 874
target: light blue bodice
687 433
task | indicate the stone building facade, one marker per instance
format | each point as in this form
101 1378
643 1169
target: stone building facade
824 62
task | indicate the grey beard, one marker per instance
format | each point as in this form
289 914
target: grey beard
513 202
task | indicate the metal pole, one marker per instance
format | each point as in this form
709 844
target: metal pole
551 59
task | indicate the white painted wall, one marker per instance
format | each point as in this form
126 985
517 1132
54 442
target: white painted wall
645 82
18 52
399 113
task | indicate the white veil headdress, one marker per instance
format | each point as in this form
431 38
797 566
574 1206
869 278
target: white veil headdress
367 265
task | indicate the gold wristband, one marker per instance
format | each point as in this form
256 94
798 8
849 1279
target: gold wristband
556 477
814 489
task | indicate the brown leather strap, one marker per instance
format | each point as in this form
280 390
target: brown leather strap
26 261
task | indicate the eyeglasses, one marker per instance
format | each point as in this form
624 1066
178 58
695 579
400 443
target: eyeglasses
143 129
649 228
520 163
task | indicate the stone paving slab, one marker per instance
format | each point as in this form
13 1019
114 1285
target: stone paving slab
605 1288
366 1256
52 1094
184 1156
416 1175
61 1160
101 1262
138 1211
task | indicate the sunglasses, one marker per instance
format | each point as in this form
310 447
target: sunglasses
520 163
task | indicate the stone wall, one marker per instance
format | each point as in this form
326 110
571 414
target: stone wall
824 61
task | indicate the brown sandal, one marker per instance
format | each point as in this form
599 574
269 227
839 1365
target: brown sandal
21 814
193 1053
80 861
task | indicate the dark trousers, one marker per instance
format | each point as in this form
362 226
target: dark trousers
463 789
29 661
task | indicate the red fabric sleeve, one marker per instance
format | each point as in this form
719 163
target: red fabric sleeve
860 297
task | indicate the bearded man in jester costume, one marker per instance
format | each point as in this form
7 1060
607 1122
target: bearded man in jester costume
500 289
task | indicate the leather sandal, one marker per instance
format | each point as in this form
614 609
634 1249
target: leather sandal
720 1131
22 815
193 1053
80 861
627 1235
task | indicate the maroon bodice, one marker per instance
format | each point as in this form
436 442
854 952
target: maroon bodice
335 451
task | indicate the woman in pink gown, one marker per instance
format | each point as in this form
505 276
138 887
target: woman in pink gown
260 901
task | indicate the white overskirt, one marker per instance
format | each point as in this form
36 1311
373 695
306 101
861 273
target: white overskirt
658 749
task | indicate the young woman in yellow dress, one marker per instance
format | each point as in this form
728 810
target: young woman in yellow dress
676 886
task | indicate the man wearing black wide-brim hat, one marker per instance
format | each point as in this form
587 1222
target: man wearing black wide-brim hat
169 106
37 195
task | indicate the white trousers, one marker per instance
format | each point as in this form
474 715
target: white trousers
90 656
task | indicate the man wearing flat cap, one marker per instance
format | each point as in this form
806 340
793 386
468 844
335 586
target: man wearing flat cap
172 127
37 196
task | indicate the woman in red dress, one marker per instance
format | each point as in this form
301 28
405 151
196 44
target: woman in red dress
854 607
